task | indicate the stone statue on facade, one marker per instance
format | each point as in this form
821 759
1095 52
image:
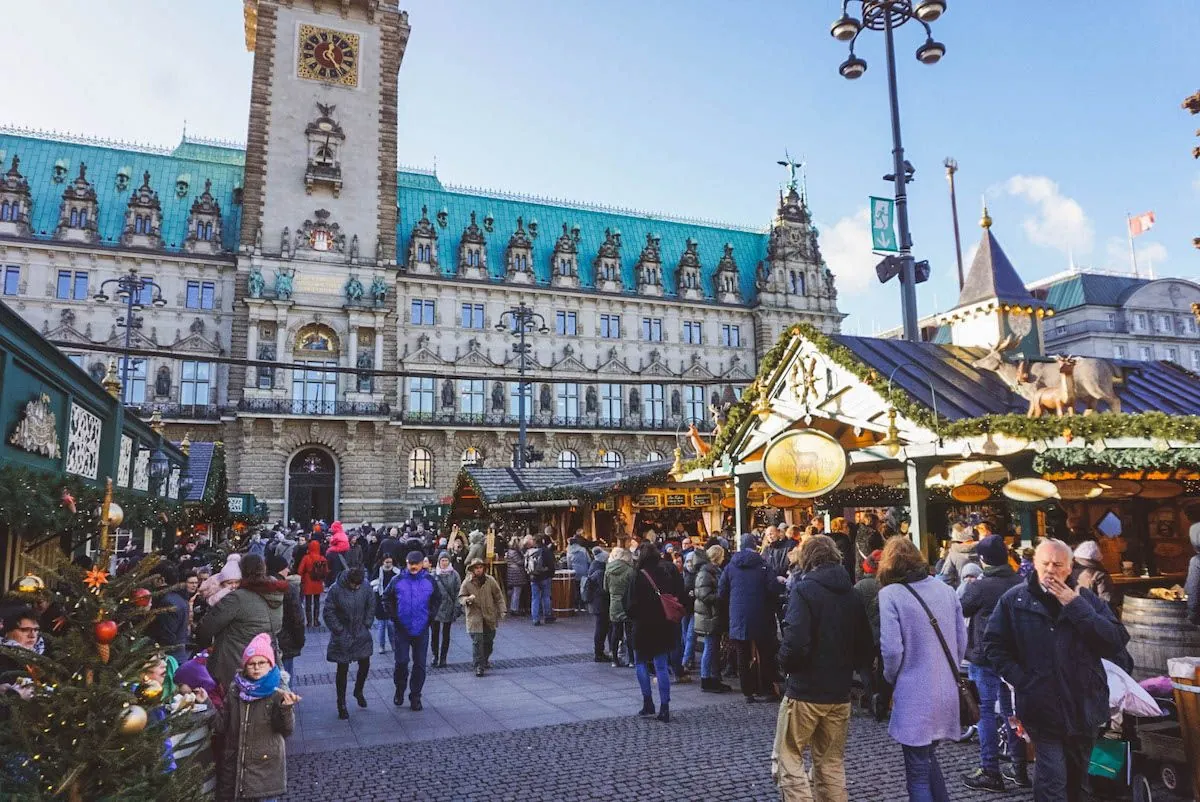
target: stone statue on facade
255 284
283 284
353 289
285 242
258 240
379 250
379 290
448 394
162 382
354 249
497 397
300 242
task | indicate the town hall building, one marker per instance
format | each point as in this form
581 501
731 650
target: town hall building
340 322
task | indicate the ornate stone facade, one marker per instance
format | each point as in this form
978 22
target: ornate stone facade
371 302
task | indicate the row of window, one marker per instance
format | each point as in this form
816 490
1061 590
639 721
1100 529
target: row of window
423 312
420 463
610 399
73 286
1146 353
1163 324
195 380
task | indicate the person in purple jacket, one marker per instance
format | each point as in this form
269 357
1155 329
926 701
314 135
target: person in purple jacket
925 696
410 601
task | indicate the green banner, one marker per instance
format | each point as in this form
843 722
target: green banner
883 233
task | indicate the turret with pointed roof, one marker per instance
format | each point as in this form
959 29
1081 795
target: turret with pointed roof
993 302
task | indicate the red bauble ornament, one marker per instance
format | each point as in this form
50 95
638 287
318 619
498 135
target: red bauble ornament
140 597
105 631
68 501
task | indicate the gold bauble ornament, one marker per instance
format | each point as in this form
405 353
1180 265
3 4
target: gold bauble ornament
150 691
116 515
133 720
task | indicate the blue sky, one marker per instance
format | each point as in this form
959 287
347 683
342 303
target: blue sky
1065 118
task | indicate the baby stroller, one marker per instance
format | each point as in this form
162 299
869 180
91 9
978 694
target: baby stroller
1141 755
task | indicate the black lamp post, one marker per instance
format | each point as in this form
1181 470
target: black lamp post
130 290
521 319
886 15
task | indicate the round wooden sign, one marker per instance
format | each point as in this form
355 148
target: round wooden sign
804 463
970 494
1120 488
1078 489
1030 490
1160 489
782 502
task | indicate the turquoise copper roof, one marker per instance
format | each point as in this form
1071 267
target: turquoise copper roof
1091 288
196 159
419 188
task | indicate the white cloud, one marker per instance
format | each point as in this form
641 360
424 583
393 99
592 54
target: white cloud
846 246
1150 256
1059 222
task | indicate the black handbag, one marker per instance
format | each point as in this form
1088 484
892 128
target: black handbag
968 704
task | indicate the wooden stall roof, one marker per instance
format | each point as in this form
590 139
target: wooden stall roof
496 485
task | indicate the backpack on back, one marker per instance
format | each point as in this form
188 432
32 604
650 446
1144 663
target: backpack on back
533 563
320 569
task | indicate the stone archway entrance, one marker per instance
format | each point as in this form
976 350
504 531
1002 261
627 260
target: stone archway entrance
312 487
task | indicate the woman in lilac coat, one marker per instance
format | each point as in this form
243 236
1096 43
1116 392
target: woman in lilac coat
925 700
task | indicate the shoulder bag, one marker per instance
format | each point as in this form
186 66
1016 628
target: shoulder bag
968 705
671 606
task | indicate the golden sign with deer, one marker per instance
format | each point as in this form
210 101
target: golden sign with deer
804 463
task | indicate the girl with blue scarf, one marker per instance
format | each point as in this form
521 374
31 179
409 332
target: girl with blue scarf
258 714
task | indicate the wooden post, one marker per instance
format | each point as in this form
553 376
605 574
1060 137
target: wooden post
918 497
741 509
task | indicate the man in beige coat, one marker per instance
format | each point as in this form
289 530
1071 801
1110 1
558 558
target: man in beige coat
483 602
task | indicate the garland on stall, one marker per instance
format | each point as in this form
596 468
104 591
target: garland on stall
35 503
1089 428
630 487
877 495
1115 460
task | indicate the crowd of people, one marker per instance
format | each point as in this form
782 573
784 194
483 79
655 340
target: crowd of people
802 616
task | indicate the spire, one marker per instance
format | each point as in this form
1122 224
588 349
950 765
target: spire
992 276
986 220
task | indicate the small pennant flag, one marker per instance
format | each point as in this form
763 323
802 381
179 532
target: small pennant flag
1140 224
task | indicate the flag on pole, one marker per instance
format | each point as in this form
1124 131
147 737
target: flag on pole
1140 224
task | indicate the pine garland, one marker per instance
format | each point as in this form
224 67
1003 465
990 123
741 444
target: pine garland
1116 460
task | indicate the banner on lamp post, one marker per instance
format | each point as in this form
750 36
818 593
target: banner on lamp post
883 232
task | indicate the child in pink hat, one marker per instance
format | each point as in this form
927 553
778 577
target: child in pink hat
259 713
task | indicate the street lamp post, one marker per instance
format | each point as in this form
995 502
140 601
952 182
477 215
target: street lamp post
130 288
521 320
886 16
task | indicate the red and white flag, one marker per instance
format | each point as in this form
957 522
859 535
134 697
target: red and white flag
1140 224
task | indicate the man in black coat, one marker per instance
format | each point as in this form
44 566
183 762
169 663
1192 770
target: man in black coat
1046 638
826 637
979 598
170 628
776 554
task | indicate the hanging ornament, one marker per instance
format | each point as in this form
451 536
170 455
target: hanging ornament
30 583
150 691
133 720
94 578
115 514
162 516
105 632
68 501
140 597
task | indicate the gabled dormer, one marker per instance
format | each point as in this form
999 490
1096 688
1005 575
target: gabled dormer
726 281
564 265
79 211
649 267
143 217
422 245
472 252
687 273
518 256
607 264
325 140
204 223
16 202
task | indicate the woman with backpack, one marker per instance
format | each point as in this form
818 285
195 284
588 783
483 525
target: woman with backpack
313 570
448 609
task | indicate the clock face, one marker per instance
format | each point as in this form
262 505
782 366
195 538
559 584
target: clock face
325 55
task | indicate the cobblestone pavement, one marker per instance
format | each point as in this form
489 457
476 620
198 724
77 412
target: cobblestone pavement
550 724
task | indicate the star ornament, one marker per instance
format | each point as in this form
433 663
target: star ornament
95 578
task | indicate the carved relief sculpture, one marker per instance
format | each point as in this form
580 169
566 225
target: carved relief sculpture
83 443
379 290
353 289
37 431
320 235
255 283
283 284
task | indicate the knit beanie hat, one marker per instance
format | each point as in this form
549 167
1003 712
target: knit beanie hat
275 564
971 569
747 542
260 646
1088 550
232 569
415 557
992 551
871 564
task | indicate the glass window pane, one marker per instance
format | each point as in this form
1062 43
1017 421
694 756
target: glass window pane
12 280
64 284
207 293
81 286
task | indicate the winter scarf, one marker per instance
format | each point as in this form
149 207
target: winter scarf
261 688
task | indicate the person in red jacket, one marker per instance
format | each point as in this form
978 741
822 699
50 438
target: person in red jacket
313 571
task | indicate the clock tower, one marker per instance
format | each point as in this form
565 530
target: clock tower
322 128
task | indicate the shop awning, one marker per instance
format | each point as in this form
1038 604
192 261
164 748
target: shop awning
497 485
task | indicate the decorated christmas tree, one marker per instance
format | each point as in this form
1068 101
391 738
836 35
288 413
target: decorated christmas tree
88 723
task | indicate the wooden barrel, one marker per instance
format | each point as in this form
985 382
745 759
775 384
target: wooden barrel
1158 630
562 592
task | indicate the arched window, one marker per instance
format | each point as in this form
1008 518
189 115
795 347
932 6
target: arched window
420 468
654 456
83 218
74 218
471 456
612 459
568 459
325 154
4 211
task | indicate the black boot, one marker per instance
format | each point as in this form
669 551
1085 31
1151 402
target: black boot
343 713
442 658
360 680
664 712
415 703
647 706
398 697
